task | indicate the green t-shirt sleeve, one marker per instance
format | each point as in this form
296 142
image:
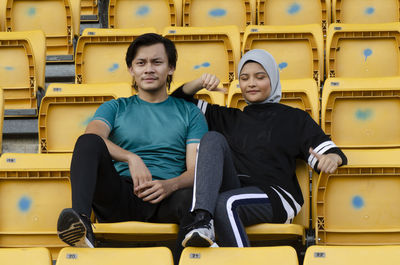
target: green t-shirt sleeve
107 112
197 126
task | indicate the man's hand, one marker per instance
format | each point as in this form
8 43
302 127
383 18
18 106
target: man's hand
327 163
139 172
156 190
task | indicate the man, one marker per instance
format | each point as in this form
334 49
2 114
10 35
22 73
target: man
136 160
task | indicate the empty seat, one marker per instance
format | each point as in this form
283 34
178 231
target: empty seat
100 55
123 14
363 50
362 113
22 70
365 12
211 13
299 93
67 109
359 203
298 50
121 256
205 50
288 12
54 17
89 11
34 188
235 256
22 256
352 255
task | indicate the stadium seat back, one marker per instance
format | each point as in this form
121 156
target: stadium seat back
368 198
235 256
121 256
369 50
34 188
90 10
67 109
159 14
21 256
286 12
54 17
212 97
298 50
365 12
362 113
357 255
210 13
205 50
100 55
23 68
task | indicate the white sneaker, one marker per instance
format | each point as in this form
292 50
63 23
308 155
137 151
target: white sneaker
201 235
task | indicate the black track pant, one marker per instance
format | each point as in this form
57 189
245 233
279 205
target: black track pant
96 185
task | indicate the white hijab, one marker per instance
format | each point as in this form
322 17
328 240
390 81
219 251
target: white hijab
266 60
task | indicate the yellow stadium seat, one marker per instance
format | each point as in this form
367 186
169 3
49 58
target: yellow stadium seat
54 17
22 69
297 93
288 12
100 55
235 256
365 12
2 14
67 109
1 117
123 14
121 256
352 255
89 10
362 112
359 203
363 50
34 188
23 256
205 50
211 13
135 231
213 97
298 50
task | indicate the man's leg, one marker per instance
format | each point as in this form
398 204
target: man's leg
176 209
215 173
237 209
94 181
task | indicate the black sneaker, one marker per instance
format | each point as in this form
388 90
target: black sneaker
201 234
75 229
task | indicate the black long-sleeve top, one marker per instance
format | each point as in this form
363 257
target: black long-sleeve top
265 140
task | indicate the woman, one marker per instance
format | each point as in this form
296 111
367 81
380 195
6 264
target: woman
245 169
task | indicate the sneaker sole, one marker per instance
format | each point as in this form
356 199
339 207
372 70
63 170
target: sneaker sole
195 239
71 230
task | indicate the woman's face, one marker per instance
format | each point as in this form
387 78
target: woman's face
254 82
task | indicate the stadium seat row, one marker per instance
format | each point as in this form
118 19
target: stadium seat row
387 255
34 188
353 51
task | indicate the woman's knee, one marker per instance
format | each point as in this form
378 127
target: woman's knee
214 139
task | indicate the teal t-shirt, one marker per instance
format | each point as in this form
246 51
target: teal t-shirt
157 132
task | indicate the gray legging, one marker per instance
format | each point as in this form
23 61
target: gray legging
217 189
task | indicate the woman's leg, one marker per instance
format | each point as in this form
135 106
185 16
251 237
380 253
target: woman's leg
237 209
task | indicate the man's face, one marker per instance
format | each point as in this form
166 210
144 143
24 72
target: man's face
150 68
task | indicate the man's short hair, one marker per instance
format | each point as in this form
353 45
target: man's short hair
149 39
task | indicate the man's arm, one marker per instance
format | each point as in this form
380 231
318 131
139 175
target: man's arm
139 172
157 190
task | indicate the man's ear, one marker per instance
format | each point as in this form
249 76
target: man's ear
130 70
171 70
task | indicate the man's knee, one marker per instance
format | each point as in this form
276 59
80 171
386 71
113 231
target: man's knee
89 142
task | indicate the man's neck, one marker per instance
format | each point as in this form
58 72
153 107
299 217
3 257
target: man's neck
155 96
